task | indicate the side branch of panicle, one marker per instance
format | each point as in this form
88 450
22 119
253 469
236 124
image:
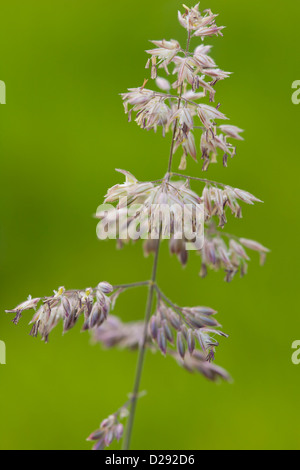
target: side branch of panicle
66 306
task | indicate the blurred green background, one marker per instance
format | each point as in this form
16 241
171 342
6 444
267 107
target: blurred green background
62 133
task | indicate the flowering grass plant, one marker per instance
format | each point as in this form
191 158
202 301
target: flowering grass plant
178 105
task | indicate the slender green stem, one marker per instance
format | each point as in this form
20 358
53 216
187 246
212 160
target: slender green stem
163 296
138 376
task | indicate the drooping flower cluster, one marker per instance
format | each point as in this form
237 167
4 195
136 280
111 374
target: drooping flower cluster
143 208
110 429
143 195
172 210
196 76
66 307
170 327
203 25
185 327
229 255
198 363
192 327
115 333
